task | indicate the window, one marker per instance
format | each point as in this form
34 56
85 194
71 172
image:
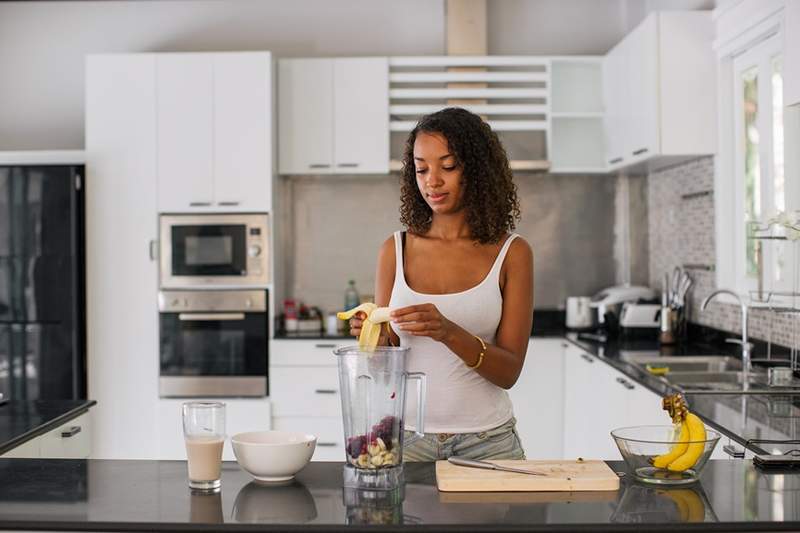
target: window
759 166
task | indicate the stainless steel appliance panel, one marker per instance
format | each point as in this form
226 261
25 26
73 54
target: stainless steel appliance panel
214 250
213 343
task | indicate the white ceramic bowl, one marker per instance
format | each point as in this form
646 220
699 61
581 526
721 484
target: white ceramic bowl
273 456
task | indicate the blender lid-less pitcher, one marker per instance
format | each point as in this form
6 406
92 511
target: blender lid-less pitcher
373 392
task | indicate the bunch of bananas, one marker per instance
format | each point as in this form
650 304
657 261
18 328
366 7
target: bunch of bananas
690 444
371 327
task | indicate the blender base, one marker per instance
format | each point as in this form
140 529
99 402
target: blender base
378 479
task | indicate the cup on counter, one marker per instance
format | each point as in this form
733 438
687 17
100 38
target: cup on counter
204 435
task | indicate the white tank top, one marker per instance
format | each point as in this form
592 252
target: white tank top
459 400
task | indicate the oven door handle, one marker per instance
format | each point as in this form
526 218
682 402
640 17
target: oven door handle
207 317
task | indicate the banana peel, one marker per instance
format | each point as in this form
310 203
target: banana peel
371 326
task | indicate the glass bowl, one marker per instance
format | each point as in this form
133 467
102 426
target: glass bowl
640 444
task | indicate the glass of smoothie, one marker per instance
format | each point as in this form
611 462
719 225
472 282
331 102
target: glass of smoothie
204 435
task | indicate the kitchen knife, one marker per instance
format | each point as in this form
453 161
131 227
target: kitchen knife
461 461
676 279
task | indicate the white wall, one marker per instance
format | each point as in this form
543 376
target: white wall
554 27
569 27
42 45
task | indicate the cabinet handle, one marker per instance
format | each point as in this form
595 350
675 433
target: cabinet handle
153 249
326 391
587 358
319 165
625 383
327 444
347 165
228 203
639 151
322 345
209 317
615 160
199 204
71 432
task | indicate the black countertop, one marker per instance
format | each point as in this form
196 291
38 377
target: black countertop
22 421
97 495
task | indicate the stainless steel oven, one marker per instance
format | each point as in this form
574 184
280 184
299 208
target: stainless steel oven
212 250
213 343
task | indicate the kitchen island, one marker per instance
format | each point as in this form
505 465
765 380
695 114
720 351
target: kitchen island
23 421
99 495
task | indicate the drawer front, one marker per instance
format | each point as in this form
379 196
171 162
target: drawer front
304 353
304 391
72 440
329 432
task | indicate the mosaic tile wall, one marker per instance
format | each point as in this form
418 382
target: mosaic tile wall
681 231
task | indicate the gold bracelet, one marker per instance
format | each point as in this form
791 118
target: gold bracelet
482 354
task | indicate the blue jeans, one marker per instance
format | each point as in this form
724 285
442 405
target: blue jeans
501 442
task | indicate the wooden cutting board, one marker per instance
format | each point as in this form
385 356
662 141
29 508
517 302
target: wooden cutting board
562 476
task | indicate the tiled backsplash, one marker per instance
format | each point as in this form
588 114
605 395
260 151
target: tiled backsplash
681 230
336 224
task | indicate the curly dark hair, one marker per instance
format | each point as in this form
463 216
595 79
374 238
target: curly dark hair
490 196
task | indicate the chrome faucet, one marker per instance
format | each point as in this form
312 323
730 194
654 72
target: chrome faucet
746 346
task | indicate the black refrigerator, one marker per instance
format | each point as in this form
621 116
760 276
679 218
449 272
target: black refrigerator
42 278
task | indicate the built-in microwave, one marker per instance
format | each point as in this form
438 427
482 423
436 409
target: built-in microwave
214 250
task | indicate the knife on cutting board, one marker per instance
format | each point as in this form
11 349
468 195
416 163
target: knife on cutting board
462 461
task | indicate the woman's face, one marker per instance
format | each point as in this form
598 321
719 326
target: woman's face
439 177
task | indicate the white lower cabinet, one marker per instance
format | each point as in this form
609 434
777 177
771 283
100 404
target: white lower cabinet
312 391
566 401
304 393
591 407
241 414
538 399
71 440
328 430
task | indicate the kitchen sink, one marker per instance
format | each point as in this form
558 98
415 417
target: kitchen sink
687 363
730 381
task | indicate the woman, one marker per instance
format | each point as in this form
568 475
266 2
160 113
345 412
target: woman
460 287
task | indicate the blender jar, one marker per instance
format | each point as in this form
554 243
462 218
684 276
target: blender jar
373 391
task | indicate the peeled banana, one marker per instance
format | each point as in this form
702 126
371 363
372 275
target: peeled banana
371 326
691 440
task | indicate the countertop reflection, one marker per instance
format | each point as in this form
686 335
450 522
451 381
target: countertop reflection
131 495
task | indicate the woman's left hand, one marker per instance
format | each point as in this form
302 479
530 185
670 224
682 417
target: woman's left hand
423 320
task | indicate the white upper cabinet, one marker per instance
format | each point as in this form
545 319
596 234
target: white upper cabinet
361 115
214 138
305 116
615 95
242 131
185 123
333 116
660 90
791 32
